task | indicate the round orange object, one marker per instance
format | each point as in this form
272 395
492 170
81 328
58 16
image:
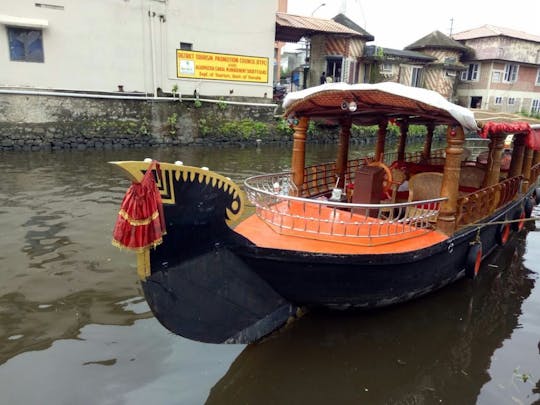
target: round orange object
387 182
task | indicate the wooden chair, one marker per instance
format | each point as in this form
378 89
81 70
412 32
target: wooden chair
398 177
471 178
424 186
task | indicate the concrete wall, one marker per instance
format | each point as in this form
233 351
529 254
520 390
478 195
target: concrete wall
98 45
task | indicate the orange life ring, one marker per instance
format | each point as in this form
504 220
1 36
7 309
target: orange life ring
519 217
502 234
474 260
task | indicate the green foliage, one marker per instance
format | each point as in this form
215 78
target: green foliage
282 127
197 103
244 129
222 105
171 123
205 128
143 128
174 89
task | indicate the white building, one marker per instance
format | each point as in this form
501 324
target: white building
214 47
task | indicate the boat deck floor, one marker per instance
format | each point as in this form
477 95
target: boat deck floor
264 235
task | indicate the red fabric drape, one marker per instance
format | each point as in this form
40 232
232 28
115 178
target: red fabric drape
141 223
532 136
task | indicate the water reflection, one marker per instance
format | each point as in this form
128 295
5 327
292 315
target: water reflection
434 350
71 303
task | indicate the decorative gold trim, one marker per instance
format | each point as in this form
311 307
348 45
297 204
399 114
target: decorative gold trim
143 264
138 222
171 173
154 244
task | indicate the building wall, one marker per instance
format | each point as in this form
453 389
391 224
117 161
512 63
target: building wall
492 54
100 44
505 48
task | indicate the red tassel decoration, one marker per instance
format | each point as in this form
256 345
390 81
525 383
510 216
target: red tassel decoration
141 223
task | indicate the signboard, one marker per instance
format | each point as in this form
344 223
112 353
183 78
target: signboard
221 66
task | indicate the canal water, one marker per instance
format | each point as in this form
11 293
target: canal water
74 328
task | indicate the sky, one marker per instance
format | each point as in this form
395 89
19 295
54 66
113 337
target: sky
398 23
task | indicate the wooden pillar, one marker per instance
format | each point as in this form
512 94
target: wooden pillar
426 153
455 137
403 130
299 153
516 164
381 139
536 157
493 169
526 170
343 152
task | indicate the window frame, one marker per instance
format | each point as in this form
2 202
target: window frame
537 82
535 106
416 76
386 67
472 73
15 49
498 100
511 72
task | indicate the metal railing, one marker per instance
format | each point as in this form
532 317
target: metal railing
369 224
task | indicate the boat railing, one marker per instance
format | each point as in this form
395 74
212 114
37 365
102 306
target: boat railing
276 204
480 204
321 178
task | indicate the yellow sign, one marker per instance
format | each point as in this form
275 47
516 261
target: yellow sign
221 66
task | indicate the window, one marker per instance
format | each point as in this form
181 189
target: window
186 46
498 100
416 77
471 74
538 77
511 101
496 76
25 44
333 69
387 67
510 73
535 108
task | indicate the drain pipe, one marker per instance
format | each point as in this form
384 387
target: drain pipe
151 15
128 96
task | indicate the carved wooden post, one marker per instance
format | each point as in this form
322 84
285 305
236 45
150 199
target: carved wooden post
381 138
403 130
426 153
299 154
536 157
343 152
516 164
493 169
455 138
526 171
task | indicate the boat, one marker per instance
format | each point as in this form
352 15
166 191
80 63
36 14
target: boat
350 234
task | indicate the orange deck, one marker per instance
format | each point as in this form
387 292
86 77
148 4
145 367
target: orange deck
264 235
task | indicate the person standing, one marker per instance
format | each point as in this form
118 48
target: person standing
323 77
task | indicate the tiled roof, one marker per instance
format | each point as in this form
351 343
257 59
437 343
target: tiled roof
370 51
436 40
493 31
290 28
347 22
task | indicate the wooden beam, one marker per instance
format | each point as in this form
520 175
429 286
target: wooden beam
343 152
381 139
403 131
298 160
455 137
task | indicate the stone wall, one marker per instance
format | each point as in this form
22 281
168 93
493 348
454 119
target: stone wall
32 122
